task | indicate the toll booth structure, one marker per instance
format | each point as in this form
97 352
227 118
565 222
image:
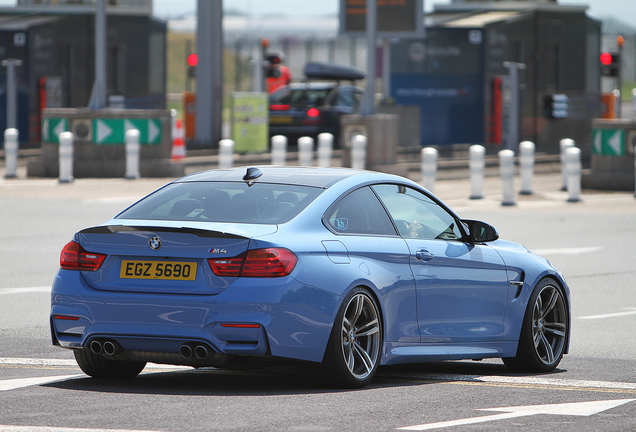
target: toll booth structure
57 50
456 74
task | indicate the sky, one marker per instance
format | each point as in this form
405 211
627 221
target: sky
624 10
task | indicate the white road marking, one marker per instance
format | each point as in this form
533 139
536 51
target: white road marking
70 362
7 428
12 384
576 409
630 311
16 383
37 362
566 251
528 380
44 289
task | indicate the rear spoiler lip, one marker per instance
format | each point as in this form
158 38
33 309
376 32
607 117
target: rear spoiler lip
111 229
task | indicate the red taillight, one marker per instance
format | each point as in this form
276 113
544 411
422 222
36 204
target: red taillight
269 263
279 107
313 112
272 262
69 258
74 257
230 267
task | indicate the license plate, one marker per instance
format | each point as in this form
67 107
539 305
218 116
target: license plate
280 119
164 270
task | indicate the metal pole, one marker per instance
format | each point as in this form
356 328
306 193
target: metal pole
188 48
226 154
12 92
65 157
515 105
98 94
507 172
132 154
573 166
279 150
325 149
477 167
305 151
386 69
367 106
11 152
428 167
209 103
526 161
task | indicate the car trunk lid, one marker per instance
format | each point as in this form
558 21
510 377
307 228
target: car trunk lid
163 259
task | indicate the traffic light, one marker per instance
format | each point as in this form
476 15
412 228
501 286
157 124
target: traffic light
556 106
610 64
272 64
192 60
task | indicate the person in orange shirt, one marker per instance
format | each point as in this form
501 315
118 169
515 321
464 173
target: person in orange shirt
284 78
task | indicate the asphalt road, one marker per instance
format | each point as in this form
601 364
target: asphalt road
41 388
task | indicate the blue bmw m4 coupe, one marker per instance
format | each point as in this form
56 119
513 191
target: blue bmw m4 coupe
344 268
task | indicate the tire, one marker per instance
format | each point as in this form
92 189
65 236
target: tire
98 366
353 352
545 330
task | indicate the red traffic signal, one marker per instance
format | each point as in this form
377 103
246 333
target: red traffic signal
193 59
610 64
606 58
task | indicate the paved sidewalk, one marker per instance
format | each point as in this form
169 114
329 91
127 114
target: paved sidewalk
547 194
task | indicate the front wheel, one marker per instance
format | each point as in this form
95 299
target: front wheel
544 332
98 366
353 352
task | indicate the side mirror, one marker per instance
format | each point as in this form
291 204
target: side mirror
480 232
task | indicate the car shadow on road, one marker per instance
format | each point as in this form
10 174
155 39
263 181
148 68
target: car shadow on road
280 380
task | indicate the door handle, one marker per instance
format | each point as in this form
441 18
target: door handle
424 255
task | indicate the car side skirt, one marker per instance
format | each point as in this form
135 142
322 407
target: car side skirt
399 353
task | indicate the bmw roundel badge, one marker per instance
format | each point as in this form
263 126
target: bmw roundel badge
155 243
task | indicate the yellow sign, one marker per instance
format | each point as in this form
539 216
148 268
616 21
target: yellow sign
250 130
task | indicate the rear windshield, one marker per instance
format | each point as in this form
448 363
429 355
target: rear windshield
305 97
262 203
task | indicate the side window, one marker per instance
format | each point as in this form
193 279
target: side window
360 212
344 98
416 215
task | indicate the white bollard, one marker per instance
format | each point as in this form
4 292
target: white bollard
279 150
358 152
507 171
526 161
66 157
565 144
305 151
325 149
573 168
11 152
226 154
132 154
477 166
428 167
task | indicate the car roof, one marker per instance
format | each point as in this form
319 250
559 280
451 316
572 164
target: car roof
302 176
314 85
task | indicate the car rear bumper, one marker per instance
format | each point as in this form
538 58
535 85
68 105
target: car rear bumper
278 316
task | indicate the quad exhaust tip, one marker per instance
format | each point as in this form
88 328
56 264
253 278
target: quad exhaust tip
185 351
201 352
108 347
96 347
191 350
